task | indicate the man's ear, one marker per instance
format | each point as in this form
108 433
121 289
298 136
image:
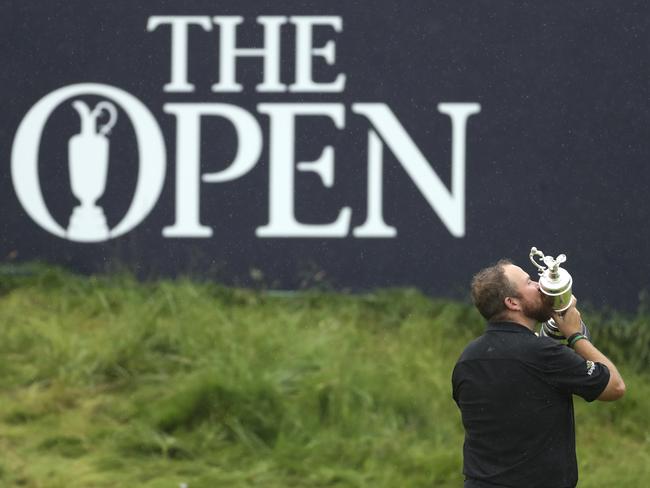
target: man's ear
512 303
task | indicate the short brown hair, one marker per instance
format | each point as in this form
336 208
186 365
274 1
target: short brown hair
490 287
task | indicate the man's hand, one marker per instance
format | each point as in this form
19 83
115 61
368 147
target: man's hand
569 321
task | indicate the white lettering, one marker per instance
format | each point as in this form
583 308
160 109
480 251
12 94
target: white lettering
228 52
151 154
450 206
179 26
188 143
305 51
282 220
374 226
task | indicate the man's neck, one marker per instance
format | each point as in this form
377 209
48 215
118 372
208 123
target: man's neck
520 319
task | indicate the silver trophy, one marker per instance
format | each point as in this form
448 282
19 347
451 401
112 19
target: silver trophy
555 282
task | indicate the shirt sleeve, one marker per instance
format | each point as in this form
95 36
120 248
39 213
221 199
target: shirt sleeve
565 369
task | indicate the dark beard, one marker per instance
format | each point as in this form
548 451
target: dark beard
541 311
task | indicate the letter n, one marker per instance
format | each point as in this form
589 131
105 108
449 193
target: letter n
449 205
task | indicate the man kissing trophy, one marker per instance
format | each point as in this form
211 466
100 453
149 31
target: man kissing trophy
555 282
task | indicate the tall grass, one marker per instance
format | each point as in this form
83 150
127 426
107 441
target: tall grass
106 381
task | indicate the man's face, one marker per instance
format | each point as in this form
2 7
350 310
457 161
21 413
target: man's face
534 304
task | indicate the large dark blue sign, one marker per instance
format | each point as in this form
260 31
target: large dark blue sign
360 144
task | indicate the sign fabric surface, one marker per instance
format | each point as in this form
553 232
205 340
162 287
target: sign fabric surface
358 144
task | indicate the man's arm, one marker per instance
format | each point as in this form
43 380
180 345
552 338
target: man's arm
569 324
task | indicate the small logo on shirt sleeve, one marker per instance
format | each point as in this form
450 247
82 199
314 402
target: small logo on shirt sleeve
590 367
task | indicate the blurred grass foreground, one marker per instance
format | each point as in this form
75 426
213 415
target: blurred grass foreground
108 382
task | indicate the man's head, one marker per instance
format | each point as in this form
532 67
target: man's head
506 292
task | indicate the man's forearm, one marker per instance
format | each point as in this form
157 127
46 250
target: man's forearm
569 324
616 387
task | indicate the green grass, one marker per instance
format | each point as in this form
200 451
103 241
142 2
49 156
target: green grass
107 382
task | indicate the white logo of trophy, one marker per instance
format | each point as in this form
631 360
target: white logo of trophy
88 164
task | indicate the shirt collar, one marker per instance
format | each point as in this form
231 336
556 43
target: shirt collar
508 327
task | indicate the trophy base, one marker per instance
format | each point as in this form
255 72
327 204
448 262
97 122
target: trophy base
550 329
87 224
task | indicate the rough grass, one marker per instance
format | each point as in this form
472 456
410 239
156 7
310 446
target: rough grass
107 382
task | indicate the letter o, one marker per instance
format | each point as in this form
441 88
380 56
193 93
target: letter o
151 156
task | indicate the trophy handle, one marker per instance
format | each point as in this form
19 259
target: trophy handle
112 116
536 252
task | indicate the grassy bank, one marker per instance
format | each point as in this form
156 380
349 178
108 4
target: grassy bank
106 382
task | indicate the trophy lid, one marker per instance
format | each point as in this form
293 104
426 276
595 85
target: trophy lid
553 280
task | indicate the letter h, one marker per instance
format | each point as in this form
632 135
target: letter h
228 52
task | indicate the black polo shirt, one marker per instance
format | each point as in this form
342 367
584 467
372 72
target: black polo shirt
514 391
